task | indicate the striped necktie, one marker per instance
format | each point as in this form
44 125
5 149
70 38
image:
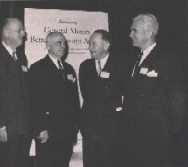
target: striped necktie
99 68
14 55
61 69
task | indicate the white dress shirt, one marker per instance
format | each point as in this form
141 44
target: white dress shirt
144 55
146 52
10 51
102 61
54 60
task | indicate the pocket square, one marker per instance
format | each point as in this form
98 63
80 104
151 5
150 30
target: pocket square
24 68
152 74
105 74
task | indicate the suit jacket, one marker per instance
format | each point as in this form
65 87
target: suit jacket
154 102
14 105
101 95
54 101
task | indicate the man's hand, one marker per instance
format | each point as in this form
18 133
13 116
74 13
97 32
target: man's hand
3 135
43 136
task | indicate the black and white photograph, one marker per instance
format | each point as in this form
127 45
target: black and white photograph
94 83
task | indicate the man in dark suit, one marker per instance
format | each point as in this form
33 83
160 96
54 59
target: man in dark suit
14 107
101 81
154 100
55 104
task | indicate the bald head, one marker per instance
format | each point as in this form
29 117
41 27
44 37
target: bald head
56 44
13 32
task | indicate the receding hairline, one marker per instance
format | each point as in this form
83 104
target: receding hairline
9 21
105 35
52 35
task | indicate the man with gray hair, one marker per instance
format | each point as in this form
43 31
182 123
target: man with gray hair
154 100
55 104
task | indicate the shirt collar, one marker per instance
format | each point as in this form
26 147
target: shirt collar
149 49
10 51
146 52
102 61
54 60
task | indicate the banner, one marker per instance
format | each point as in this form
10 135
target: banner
77 26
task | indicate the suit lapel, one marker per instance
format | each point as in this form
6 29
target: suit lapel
93 69
151 58
50 63
109 65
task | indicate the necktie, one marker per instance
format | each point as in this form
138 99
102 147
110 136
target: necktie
14 55
136 67
61 68
99 67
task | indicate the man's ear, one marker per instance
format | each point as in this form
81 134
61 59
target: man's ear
48 46
149 33
106 45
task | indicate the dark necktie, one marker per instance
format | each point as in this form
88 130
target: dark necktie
99 67
136 67
61 69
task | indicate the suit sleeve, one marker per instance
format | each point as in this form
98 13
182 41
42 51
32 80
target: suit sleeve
174 78
87 83
35 89
2 118
75 97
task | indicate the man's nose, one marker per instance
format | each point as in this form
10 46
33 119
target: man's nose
23 33
131 34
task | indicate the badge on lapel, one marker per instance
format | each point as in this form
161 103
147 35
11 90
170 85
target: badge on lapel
24 68
143 70
71 78
105 74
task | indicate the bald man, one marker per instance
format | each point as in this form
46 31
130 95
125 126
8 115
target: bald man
55 104
14 109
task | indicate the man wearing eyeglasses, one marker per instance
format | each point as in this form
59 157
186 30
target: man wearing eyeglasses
55 104
14 107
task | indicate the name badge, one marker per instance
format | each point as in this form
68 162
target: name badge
105 74
143 70
71 78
